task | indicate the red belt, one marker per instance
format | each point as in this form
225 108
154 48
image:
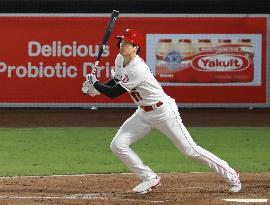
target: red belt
152 107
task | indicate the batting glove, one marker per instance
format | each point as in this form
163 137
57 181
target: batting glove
91 78
89 89
85 87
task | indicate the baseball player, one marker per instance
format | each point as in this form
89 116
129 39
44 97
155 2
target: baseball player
155 110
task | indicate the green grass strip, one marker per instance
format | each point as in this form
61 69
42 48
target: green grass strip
47 151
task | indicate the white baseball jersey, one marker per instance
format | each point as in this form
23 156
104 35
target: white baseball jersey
137 79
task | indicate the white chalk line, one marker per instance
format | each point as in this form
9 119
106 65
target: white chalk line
98 196
247 200
91 196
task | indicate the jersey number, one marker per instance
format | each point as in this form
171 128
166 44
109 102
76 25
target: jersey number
135 95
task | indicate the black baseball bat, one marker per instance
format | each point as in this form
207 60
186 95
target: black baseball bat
106 37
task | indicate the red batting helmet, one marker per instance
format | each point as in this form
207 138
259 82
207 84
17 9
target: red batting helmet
132 36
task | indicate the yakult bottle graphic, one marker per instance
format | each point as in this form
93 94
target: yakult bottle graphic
163 47
246 47
168 58
185 48
205 60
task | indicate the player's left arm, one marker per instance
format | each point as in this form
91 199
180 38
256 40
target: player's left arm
112 82
109 91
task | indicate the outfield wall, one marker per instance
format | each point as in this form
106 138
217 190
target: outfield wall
200 60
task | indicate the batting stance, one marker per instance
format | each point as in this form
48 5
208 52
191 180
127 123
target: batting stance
155 110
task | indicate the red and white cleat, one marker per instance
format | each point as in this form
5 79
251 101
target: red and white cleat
147 186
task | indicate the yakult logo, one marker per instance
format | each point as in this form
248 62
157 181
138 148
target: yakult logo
220 62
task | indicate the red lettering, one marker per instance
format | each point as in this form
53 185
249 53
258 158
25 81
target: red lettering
221 63
135 95
205 61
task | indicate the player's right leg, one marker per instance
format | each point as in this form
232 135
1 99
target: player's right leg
132 130
177 132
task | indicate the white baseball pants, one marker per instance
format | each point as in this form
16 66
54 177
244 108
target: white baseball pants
165 118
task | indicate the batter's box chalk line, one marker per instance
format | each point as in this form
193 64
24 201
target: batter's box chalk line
90 196
247 200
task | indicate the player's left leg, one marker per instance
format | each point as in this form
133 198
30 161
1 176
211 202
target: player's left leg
177 132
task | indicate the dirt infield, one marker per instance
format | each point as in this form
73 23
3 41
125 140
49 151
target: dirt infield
115 189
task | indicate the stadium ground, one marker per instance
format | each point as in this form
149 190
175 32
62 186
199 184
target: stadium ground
112 189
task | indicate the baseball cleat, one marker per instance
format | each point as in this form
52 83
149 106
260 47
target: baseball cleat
235 184
147 186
